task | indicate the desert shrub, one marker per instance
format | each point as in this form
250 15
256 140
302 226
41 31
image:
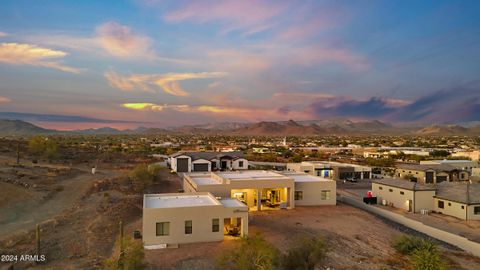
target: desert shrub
133 256
306 252
407 244
424 254
427 259
141 177
251 253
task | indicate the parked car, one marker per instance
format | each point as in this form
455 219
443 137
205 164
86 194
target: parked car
351 179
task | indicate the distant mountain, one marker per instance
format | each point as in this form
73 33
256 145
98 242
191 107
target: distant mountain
444 130
264 128
17 127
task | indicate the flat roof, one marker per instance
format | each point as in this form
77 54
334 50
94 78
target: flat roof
205 180
403 184
251 175
177 200
232 203
303 177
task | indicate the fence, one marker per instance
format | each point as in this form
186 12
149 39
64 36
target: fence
450 238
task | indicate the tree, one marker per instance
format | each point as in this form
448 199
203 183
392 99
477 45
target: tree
51 148
41 146
251 253
36 145
305 253
133 256
141 177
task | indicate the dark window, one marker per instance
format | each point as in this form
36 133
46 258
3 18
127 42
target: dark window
163 228
240 164
381 188
391 190
188 227
440 204
449 204
215 225
463 207
298 195
476 210
401 192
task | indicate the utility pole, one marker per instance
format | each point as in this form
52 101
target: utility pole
37 238
18 152
122 255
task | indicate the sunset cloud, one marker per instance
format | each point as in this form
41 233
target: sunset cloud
27 54
150 83
155 107
249 16
5 100
120 41
3 34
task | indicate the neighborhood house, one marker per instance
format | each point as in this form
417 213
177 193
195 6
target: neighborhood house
177 218
262 190
207 161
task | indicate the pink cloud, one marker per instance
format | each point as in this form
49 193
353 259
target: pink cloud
120 41
250 15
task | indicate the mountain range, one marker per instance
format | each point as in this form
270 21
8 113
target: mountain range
264 128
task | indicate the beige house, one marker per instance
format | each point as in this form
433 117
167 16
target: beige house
473 155
460 199
399 193
431 173
464 165
331 170
178 218
262 190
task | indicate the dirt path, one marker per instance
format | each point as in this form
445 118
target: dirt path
24 217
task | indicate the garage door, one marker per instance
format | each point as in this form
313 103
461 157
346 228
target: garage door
201 167
182 164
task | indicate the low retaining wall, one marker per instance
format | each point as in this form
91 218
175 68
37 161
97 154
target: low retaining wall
450 238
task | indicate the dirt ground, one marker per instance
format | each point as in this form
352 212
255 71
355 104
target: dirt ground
79 222
356 240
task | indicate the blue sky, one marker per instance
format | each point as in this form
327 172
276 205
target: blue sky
185 62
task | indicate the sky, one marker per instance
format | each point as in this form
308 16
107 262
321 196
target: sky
162 63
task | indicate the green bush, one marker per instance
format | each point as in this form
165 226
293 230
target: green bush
306 252
251 253
427 259
424 254
406 244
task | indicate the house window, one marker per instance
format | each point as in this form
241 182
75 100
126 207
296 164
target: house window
325 195
476 210
163 228
298 195
391 190
449 204
463 206
215 225
440 204
381 188
240 164
188 227
401 192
